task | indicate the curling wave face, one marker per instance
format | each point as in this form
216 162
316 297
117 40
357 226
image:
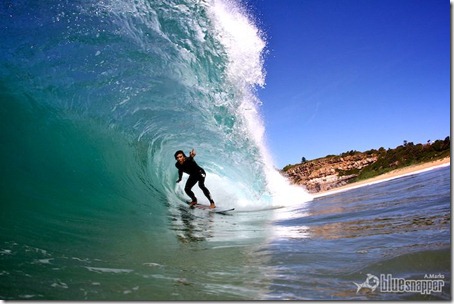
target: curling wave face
134 82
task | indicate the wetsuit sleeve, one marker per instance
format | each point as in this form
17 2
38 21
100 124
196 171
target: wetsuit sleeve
180 172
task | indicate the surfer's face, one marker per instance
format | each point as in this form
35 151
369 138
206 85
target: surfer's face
180 158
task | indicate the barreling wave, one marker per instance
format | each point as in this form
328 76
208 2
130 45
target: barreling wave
113 88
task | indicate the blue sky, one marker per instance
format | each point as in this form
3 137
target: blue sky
353 74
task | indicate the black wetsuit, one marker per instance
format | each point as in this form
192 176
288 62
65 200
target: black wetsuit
196 174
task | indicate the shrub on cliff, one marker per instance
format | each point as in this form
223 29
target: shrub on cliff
391 159
406 155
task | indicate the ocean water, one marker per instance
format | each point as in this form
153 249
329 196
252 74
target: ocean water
95 98
400 227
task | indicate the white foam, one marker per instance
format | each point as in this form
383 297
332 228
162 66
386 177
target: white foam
242 41
108 270
245 45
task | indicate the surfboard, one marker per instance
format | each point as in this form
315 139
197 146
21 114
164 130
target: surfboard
211 210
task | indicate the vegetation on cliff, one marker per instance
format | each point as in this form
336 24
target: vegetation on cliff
406 155
386 160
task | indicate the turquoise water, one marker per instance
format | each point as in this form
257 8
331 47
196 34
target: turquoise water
96 96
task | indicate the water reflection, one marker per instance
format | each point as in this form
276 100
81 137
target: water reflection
380 226
191 227
349 217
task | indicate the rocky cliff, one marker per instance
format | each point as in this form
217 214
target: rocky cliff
329 172
334 171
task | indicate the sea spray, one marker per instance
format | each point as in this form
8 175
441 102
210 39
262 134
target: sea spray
245 45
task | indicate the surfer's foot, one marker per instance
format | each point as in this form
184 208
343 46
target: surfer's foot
192 204
212 205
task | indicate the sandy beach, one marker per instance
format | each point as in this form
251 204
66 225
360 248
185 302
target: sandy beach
389 176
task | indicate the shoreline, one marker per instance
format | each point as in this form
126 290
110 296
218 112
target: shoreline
401 172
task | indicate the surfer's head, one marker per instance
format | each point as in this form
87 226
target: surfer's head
180 156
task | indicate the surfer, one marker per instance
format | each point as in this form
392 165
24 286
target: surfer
196 174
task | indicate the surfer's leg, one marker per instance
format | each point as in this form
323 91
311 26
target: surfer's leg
206 191
187 188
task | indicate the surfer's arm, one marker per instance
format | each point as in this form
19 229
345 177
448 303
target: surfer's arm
180 174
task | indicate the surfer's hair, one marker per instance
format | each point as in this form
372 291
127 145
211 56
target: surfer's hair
179 152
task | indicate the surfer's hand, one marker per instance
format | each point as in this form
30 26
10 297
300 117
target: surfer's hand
192 153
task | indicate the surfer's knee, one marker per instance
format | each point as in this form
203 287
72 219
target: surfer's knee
203 187
187 190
